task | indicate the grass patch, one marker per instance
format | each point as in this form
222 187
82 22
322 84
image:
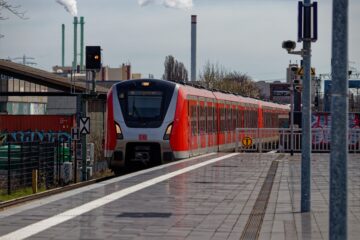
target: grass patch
18 193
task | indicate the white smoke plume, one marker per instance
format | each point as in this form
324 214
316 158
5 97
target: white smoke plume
69 5
182 4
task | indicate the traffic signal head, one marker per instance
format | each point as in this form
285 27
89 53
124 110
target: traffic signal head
93 57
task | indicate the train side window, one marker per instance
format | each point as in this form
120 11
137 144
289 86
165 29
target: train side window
202 123
247 115
222 119
215 126
193 119
252 118
234 117
245 118
228 119
209 119
256 117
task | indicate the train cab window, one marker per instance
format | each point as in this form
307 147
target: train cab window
144 104
144 107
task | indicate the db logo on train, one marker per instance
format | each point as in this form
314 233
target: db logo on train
247 141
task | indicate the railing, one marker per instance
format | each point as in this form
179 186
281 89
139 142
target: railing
18 160
281 139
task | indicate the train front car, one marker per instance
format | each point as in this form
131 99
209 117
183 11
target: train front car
140 114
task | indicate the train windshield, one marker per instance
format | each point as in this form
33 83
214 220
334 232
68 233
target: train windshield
144 107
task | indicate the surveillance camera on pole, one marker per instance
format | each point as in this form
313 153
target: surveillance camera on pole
289 46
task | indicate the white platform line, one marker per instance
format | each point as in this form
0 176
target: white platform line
40 226
31 205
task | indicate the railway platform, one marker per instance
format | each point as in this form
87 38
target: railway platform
215 196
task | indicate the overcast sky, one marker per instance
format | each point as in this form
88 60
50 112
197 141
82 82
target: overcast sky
241 35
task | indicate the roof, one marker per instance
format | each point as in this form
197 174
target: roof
42 77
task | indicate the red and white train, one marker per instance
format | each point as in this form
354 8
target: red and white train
150 121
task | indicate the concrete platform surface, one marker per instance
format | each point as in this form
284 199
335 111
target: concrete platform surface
217 196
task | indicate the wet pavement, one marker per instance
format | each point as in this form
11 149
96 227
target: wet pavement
219 196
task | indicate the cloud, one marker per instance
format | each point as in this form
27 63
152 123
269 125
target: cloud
180 4
69 5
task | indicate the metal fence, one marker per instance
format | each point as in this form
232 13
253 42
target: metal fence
280 139
18 160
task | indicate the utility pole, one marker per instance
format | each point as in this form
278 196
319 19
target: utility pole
339 123
307 32
24 60
306 116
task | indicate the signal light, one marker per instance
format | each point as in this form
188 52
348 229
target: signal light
93 57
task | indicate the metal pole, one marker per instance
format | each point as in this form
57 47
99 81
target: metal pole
292 117
306 127
9 168
339 123
83 141
75 161
78 116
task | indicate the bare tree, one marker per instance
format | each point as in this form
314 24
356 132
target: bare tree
14 9
174 70
240 83
212 74
216 76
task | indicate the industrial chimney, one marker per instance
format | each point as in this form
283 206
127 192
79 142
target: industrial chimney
75 43
193 47
63 46
82 43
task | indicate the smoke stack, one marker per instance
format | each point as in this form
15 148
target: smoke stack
75 43
193 47
63 46
82 43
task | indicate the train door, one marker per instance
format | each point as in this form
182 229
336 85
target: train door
202 126
216 125
228 124
240 122
210 125
222 125
234 122
193 120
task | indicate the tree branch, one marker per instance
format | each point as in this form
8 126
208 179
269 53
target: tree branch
11 8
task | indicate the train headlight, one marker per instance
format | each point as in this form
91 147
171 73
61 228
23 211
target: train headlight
168 132
119 134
